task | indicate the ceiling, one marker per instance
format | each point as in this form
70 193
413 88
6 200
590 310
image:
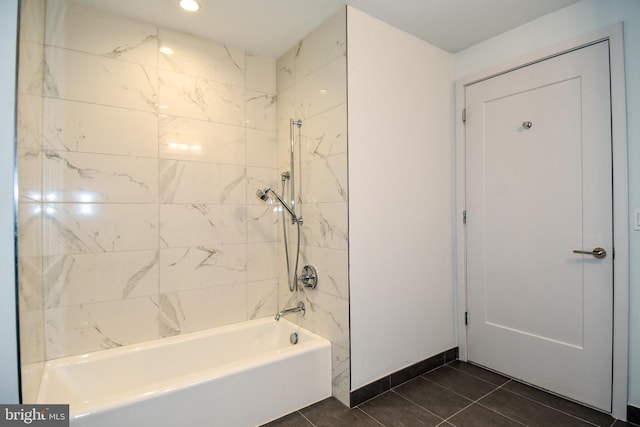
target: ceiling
271 27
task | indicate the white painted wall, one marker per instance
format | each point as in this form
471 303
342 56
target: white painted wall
400 199
8 335
575 20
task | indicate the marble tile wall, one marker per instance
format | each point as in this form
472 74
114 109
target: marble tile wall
311 83
138 209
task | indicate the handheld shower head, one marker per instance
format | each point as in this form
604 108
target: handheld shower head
264 196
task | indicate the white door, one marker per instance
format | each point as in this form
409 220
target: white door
538 187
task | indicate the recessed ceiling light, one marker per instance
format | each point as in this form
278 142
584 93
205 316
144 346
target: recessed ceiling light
189 5
166 50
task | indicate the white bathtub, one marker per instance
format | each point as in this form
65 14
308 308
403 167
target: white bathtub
244 374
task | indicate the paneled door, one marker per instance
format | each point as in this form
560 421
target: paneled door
539 224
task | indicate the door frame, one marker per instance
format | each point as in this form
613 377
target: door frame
614 34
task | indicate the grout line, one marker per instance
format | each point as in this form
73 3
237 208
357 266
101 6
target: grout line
409 400
373 398
418 405
463 409
476 376
493 410
462 395
555 409
302 415
368 415
477 401
479 377
510 379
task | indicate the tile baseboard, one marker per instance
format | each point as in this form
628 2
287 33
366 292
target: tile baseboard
633 414
378 387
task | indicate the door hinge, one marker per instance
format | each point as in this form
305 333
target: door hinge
464 115
466 317
464 217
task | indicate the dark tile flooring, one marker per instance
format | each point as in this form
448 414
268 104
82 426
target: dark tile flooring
457 394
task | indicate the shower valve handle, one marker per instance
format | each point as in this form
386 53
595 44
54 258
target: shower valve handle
309 277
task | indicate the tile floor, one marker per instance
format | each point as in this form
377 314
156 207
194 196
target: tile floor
458 394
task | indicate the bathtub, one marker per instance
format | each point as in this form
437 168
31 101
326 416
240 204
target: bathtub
244 374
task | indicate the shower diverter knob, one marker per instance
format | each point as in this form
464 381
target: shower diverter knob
309 277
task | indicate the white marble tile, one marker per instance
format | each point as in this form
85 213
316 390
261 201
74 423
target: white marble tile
260 178
29 175
325 134
284 150
202 267
94 79
262 261
326 225
30 122
261 73
325 180
29 143
262 299
200 57
332 266
98 277
91 327
326 316
183 225
197 98
262 223
322 90
91 128
340 374
86 228
192 182
287 109
30 285
31 69
261 110
202 141
75 26
30 229
32 20
82 177
261 148
190 311
325 43
32 339
286 70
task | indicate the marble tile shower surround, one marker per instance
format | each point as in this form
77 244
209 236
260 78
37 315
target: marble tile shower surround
138 182
311 82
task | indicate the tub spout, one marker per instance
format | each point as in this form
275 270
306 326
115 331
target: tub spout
299 308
